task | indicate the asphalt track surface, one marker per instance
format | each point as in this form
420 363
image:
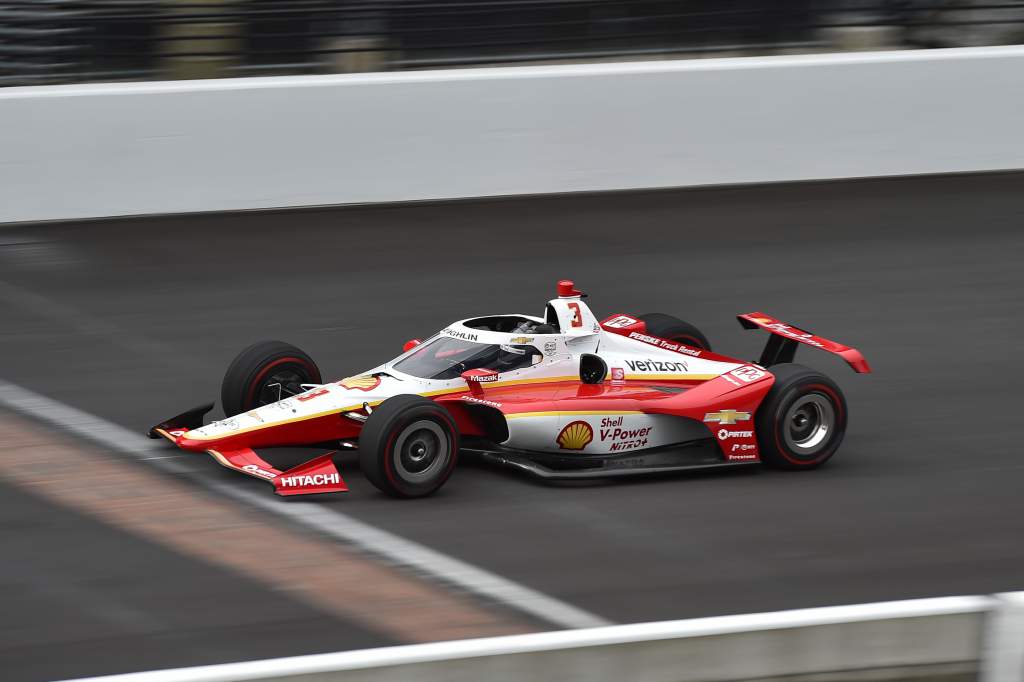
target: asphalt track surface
136 319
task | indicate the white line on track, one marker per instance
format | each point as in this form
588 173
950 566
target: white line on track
332 523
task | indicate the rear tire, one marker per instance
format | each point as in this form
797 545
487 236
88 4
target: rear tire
249 381
409 446
674 329
801 421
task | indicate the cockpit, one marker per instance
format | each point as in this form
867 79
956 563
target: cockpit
511 324
447 357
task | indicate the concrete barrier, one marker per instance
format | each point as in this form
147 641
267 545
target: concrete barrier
122 149
947 639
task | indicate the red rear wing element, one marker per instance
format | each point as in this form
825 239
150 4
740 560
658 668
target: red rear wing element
781 347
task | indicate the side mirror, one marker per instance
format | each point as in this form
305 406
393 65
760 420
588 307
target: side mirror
474 377
410 344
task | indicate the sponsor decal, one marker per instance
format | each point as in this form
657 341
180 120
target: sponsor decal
481 401
177 433
522 339
315 393
664 343
748 374
621 322
459 334
726 417
621 438
255 415
255 469
575 436
618 374
359 383
482 378
725 434
309 480
550 347
787 330
656 366
736 457
743 446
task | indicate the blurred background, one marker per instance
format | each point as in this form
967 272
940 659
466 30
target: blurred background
158 220
63 41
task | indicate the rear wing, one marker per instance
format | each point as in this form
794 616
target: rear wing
781 346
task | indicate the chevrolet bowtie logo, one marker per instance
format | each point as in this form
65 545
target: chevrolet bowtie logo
727 417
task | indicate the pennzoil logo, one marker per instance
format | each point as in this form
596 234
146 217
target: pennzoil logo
575 436
360 383
726 417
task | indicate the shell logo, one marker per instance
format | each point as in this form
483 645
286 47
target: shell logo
575 436
361 383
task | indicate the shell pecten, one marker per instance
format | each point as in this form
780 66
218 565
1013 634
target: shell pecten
575 436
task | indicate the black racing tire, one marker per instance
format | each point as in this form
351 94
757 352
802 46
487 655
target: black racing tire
674 329
408 446
801 422
248 383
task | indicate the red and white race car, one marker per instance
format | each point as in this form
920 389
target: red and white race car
561 396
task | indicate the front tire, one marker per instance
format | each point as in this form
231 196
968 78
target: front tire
802 420
674 329
263 373
409 446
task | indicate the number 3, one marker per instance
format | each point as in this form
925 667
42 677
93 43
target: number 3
577 318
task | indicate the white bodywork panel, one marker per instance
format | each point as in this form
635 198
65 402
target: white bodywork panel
567 433
580 333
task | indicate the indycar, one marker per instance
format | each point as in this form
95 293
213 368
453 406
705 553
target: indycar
560 396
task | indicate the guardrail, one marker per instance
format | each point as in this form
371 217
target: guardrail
62 41
81 151
950 638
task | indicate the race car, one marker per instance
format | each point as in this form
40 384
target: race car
560 396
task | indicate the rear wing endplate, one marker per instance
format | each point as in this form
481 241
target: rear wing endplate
781 346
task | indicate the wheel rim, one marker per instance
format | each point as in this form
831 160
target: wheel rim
421 451
809 423
283 383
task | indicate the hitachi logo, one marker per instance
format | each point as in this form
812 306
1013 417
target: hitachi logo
316 479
